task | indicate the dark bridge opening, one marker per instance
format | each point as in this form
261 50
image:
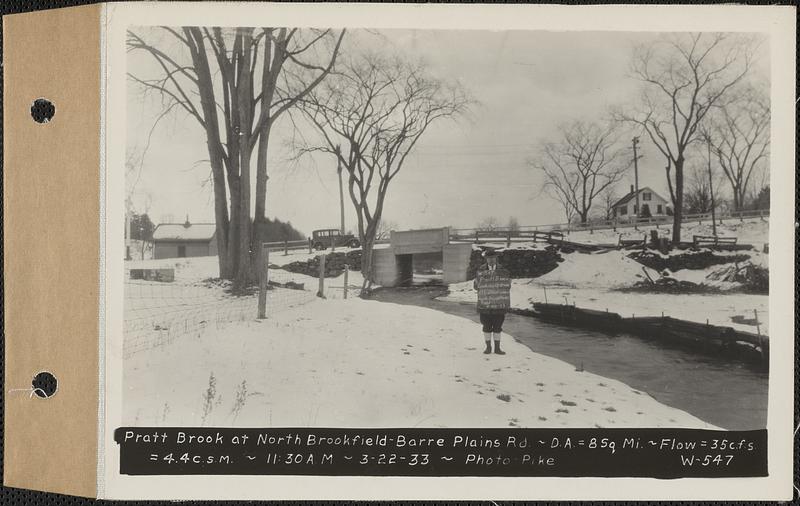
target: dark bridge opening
420 269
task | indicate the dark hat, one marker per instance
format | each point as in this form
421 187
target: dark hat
489 253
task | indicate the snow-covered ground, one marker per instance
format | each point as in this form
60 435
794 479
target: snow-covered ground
592 281
194 270
159 313
357 363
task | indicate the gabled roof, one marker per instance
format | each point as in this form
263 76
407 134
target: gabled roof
182 232
632 195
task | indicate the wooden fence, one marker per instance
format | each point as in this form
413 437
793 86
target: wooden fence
526 233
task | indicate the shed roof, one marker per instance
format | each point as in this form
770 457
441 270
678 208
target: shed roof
184 232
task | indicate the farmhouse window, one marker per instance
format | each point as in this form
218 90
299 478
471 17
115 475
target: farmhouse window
659 209
647 196
623 211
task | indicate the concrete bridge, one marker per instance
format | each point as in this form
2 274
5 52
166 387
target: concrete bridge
394 265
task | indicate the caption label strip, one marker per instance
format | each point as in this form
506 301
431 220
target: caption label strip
654 453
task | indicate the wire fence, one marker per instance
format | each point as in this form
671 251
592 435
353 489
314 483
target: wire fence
156 313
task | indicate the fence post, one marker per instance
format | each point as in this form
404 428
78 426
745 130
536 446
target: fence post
321 291
285 247
508 239
476 237
310 246
263 284
346 271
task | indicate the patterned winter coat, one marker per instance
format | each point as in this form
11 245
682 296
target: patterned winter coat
494 289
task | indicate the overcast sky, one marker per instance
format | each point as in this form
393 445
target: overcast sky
526 83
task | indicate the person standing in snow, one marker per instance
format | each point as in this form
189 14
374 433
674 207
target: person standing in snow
493 284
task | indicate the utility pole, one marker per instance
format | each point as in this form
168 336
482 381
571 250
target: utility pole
636 178
341 191
711 187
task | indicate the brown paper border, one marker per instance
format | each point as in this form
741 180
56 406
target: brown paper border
51 241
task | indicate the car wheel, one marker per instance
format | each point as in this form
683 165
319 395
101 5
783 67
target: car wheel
319 246
354 243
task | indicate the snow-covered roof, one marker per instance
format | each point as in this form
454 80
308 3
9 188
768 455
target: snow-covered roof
184 232
632 195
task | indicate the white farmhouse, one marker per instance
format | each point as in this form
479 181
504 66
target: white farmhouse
652 204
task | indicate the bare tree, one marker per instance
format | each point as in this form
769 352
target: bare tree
513 224
236 83
489 224
698 197
383 231
581 166
370 115
740 138
683 77
609 198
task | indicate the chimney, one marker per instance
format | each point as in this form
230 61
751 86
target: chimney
631 192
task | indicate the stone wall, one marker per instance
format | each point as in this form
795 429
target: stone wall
520 263
689 260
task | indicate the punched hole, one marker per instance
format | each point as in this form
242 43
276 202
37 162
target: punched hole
44 385
42 110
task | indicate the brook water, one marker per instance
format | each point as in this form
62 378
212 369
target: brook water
720 391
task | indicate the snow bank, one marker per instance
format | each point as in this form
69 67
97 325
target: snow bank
606 269
717 309
359 363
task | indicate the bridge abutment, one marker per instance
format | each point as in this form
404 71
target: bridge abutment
455 260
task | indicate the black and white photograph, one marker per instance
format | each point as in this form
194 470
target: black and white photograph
445 228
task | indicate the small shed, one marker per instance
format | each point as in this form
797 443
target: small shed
179 240
649 200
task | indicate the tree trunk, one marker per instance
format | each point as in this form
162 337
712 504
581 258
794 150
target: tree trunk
678 211
244 273
205 87
261 174
233 229
341 198
366 267
738 199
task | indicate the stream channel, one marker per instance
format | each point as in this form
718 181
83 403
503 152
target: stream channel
724 392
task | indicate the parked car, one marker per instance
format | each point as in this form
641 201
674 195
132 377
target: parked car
331 237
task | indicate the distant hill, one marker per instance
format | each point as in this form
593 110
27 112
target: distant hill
277 230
